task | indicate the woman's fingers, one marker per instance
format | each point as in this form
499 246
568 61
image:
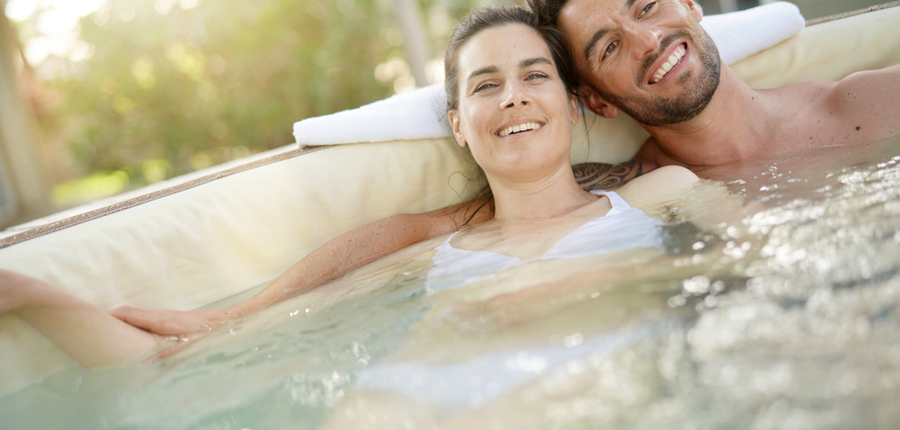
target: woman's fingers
183 341
166 322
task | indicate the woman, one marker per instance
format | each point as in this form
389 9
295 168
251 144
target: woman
510 101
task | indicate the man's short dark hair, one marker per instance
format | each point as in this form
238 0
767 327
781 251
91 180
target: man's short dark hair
547 10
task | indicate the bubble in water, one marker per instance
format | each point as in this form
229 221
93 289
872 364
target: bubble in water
573 339
696 285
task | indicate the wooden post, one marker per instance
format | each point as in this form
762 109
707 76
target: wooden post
415 40
24 189
728 5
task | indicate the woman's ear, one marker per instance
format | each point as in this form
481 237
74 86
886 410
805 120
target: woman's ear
573 109
595 103
453 117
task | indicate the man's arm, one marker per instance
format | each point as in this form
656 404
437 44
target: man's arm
340 255
599 176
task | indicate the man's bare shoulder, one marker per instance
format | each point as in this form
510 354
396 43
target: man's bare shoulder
863 106
652 155
870 90
658 183
874 77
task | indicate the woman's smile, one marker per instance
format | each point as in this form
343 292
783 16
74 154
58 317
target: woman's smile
520 128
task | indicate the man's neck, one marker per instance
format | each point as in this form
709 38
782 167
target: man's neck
735 125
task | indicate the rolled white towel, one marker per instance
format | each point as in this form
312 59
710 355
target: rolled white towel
421 114
418 114
739 35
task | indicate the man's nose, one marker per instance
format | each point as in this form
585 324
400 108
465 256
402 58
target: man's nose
514 93
644 39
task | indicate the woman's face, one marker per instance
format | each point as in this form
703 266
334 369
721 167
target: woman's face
514 111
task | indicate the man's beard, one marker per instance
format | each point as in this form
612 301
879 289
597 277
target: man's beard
655 110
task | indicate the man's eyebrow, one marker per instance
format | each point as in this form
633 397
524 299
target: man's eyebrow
589 50
483 71
532 61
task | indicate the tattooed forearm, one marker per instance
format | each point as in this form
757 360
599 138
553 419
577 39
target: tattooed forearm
597 176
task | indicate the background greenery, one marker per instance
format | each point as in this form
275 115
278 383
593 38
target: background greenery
165 87
167 90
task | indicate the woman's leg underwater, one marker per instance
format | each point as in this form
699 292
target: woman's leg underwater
84 332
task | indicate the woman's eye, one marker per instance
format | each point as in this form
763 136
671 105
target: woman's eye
610 49
534 76
485 86
647 8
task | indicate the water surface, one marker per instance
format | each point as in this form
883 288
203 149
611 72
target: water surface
773 305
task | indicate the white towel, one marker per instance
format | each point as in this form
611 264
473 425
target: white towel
739 35
421 114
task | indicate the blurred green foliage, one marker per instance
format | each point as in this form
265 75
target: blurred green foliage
172 91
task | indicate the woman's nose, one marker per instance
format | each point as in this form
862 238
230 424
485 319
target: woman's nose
515 94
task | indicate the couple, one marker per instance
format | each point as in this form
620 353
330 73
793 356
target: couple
652 60
514 109
510 103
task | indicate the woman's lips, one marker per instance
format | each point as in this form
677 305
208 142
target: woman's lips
518 128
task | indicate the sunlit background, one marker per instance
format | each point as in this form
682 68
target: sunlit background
98 97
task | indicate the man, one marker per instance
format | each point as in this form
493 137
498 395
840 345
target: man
652 60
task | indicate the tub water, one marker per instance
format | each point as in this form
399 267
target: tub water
773 307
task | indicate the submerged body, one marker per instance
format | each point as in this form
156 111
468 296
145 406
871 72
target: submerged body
486 249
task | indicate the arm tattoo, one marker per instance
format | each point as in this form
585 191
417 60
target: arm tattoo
597 176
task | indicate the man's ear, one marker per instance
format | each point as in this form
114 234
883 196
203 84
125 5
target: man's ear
595 103
453 117
694 8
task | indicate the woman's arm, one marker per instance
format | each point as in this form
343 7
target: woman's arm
337 257
81 330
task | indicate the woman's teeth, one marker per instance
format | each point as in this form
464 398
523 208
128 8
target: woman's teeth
669 64
517 128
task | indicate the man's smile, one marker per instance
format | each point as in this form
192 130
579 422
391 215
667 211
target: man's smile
670 63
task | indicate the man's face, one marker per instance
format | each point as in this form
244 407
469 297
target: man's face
649 58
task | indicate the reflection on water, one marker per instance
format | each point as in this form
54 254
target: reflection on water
778 312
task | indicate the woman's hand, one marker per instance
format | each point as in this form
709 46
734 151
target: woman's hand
184 324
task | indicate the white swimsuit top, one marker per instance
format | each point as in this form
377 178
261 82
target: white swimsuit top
623 227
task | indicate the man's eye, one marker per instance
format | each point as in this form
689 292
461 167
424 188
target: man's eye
610 49
535 75
647 8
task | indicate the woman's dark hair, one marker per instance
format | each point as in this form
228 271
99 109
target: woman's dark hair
488 18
